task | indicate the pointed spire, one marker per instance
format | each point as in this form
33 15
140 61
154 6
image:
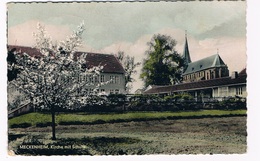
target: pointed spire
186 53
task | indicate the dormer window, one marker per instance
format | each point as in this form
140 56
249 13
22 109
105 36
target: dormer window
192 69
200 66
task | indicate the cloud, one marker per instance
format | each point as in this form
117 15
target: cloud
232 50
206 33
22 34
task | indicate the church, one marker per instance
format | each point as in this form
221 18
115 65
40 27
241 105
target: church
204 69
207 78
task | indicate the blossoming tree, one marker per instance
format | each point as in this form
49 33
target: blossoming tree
53 77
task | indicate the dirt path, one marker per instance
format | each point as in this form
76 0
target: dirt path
183 136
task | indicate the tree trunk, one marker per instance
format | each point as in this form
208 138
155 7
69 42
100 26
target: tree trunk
53 124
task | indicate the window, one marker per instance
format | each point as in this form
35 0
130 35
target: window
102 90
81 78
91 91
223 91
239 91
91 79
117 91
96 79
112 79
78 78
84 77
116 79
102 78
111 91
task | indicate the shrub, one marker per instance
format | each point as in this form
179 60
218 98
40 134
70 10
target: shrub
44 124
72 123
21 125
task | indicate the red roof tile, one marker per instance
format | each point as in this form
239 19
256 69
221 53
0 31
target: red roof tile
197 85
109 61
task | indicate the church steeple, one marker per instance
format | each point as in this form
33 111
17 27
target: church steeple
186 53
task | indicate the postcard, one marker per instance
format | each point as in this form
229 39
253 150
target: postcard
126 78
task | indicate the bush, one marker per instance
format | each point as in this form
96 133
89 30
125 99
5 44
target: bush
187 97
44 124
232 103
72 123
116 99
21 125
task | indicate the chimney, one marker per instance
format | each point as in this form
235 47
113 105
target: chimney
234 75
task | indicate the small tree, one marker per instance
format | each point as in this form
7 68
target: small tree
163 65
130 66
53 77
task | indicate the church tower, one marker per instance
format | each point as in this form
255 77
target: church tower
186 53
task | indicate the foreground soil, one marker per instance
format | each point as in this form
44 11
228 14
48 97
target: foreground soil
224 135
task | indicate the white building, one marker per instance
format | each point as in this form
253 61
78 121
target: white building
112 72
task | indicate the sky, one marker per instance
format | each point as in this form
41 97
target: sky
123 26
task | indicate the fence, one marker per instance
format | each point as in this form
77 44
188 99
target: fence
123 103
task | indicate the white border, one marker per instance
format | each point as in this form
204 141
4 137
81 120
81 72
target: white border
253 52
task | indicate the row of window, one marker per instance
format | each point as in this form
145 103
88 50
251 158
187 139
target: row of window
92 91
223 91
94 79
208 75
239 91
113 79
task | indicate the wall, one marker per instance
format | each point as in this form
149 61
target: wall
206 74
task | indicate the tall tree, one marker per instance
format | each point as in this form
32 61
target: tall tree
130 66
53 76
12 67
163 65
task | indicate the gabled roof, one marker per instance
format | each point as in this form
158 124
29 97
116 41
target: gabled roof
204 84
108 61
25 49
243 72
206 63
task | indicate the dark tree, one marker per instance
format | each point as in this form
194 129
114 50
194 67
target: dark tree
163 65
12 67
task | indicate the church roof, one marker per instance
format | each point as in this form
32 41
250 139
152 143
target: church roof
108 61
186 53
206 63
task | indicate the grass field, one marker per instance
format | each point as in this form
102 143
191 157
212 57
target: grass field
33 119
215 135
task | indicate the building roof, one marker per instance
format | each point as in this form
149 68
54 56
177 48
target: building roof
242 72
204 84
186 53
206 63
108 61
